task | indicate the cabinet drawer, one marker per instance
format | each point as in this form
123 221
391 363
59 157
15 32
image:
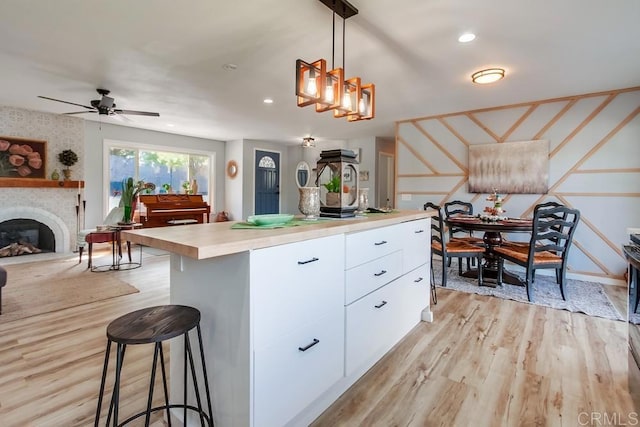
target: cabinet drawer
416 297
368 277
416 246
295 283
368 245
371 324
287 379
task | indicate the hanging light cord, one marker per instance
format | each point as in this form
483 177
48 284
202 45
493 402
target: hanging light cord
333 38
344 68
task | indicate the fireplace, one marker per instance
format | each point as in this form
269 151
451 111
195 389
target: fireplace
34 226
25 236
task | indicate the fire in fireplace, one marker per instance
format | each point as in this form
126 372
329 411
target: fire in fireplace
25 236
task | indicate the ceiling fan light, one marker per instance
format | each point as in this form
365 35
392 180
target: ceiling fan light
487 76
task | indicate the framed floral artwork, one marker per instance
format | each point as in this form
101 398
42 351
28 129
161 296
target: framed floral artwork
22 158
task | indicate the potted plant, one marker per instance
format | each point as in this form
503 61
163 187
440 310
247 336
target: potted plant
130 191
333 191
68 158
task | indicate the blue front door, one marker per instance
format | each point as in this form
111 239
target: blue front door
267 185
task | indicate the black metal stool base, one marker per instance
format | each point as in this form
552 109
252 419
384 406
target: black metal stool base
155 325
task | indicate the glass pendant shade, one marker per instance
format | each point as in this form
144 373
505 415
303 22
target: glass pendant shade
310 81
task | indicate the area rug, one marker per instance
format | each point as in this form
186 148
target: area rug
41 287
582 297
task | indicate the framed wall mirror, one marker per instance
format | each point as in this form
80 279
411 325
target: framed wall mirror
303 174
232 169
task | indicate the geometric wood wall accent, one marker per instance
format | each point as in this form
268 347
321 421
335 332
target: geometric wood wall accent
594 165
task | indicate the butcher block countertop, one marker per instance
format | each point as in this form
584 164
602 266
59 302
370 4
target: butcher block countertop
202 241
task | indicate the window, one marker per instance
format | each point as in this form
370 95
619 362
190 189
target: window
170 171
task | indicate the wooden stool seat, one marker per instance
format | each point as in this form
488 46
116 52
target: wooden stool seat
153 325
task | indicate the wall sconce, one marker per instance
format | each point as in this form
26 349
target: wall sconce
487 76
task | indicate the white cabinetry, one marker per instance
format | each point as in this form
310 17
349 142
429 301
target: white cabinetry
298 325
380 310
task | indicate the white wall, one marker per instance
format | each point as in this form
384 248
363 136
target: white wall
233 186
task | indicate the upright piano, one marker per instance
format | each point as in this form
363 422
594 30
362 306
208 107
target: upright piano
163 210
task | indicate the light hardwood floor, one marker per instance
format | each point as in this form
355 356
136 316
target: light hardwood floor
484 361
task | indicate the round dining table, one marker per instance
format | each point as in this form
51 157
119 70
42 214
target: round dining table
492 238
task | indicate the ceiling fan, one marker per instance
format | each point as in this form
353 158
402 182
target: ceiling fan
103 106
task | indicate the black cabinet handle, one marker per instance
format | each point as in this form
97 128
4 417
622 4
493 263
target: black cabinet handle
314 342
419 231
382 304
418 280
380 274
314 259
384 242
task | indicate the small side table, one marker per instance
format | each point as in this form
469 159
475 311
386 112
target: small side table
105 236
131 264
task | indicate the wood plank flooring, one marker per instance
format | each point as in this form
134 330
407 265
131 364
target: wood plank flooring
483 362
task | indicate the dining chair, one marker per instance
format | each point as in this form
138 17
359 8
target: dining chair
454 208
452 248
553 228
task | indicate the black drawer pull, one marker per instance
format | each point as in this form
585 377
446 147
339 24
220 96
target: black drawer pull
384 242
419 231
314 342
418 280
382 304
380 274
314 259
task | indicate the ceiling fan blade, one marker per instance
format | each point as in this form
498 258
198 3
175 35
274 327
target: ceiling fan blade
121 118
65 102
137 113
80 112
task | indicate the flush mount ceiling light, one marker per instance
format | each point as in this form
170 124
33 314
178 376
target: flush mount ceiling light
466 37
308 142
328 89
489 75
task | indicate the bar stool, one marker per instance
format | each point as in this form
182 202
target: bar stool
155 325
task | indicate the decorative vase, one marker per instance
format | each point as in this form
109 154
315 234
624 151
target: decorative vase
194 187
309 203
67 174
363 200
126 218
55 175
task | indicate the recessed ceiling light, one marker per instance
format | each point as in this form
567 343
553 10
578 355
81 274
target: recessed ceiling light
489 75
229 67
268 101
466 37
170 125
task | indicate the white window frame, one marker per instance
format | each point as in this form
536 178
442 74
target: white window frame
112 143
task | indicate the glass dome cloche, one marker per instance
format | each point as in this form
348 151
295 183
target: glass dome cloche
337 178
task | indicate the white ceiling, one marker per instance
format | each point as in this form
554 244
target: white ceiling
168 56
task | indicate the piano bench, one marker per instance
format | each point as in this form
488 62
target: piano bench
182 221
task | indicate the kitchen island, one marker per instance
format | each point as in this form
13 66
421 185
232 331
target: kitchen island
292 317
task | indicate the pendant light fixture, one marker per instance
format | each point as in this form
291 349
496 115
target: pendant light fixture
329 90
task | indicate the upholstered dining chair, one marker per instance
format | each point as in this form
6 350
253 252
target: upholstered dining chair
553 228
452 248
458 207
114 216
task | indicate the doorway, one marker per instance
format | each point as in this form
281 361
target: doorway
267 182
386 180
